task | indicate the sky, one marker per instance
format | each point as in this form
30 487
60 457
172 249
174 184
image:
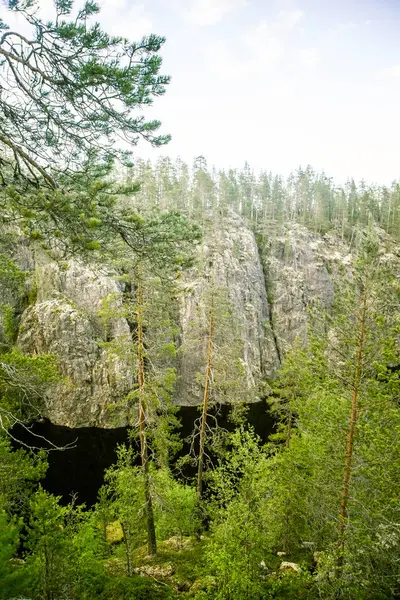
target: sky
276 83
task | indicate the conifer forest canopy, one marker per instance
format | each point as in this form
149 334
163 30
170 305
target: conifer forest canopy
308 510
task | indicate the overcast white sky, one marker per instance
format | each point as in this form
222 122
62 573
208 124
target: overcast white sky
279 83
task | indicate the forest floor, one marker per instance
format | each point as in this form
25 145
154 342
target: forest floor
180 567
178 563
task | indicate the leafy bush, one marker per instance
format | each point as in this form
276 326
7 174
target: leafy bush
135 588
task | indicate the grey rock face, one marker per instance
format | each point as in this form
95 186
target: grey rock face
269 287
65 322
301 266
297 265
229 250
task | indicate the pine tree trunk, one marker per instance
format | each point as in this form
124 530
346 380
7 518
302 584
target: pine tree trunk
47 574
144 455
104 528
205 406
289 425
128 548
344 496
343 222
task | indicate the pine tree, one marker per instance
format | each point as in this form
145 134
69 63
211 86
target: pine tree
48 541
202 193
213 341
332 486
70 92
64 75
151 349
148 306
14 580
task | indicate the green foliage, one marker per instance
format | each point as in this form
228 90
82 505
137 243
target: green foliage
290 584
236 551
60 191
20 471
23 381
238 542
158 311
289 386
175 507
59 138
228 384
171 239
307 475
124 488
12 285
11 276
8 323
82 215
82 98
66 550
139 588
124 499
87 572
48 543
267 200
14 577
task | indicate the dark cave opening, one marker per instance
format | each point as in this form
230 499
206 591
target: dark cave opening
80 469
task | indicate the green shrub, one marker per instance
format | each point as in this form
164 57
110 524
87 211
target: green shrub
135 588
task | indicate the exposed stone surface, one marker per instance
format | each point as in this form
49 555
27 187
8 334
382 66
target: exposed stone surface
289 566
155 571
269 286
230 252
64 322
296 269
300 266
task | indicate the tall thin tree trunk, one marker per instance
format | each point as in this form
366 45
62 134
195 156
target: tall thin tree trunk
205 404
388 217
47 574
128 547
289 424
344 496
144 454
343 221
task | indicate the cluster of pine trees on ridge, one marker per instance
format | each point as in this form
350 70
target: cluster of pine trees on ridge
312 513
306 197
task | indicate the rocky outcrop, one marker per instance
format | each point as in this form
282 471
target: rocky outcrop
297 270
229 257
300 267
269 284
65 322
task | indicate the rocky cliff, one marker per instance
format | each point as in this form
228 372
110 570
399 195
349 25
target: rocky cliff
64 321
270 282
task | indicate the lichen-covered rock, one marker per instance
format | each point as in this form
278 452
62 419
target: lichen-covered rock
229 255
269 285
296 272
84 286
290 566
301 266
65 322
